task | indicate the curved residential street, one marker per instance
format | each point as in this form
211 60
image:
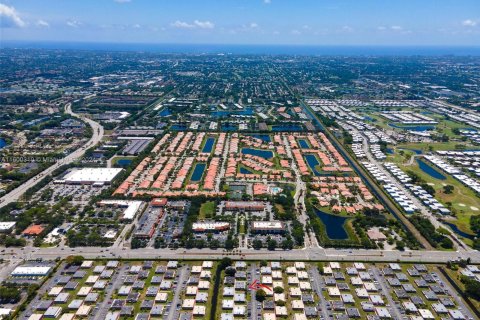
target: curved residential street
97 131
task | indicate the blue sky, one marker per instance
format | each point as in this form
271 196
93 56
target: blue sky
306 22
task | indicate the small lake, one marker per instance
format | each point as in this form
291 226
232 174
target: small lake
390 151
165 113
312 163
208 145
458 231
303 144
124 162
178 127
430 171
287 127
263 137
413 128
244 170
198 172
3 143
227 113
334 225
266 154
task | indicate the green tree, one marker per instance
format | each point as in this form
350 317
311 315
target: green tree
75 260
287 244
278 290
257 244
448 189
260 295
475 224
225 263
272 244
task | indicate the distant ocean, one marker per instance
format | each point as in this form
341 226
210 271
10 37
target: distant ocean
252 49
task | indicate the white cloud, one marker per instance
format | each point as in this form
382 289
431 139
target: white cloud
253 25
122 1
469 23
295 32
396 28
267 1
204 24
347 29
196 24
136 26
381 28
182 25
9 17
73 23
42 23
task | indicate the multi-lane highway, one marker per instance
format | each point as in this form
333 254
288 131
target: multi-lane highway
97 135
305 254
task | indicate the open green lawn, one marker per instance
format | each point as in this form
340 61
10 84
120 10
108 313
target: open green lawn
462 198
207 210
427 146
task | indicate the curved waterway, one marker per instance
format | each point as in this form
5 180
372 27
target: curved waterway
458 231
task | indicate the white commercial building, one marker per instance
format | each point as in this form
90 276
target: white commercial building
31 271
90 176
131 210
6 226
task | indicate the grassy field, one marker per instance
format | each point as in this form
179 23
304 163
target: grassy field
463 200
207 210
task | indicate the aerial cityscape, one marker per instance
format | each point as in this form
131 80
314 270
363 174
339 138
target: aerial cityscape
225 169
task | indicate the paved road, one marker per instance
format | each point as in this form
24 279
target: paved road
386 294
98 132
253 300
308 254
318 285
182 276
114 284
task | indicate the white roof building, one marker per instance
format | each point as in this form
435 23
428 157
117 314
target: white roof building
132 207
426 314
30 271
6 226
91 175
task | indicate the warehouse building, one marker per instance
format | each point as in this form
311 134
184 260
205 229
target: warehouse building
93 176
